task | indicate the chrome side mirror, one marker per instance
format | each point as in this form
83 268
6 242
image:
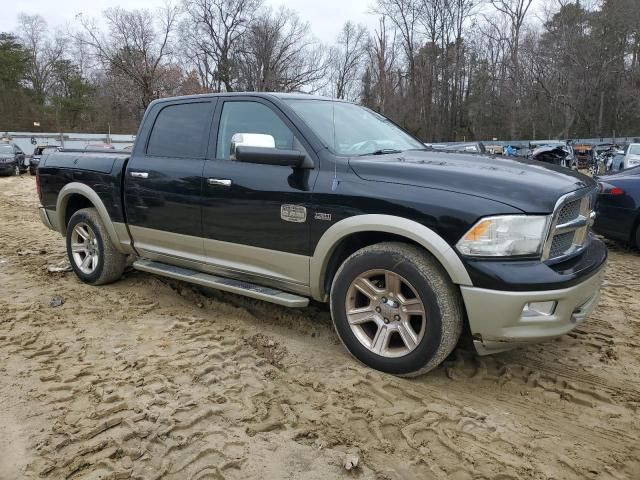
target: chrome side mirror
250 140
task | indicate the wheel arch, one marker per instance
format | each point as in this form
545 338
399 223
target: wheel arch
633 237
373 228
75 196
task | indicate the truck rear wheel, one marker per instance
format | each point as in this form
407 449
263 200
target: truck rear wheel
92 255
395 308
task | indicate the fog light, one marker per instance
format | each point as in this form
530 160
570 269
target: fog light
536 309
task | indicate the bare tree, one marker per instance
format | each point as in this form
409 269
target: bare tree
137 46
279 54
43 51
347 58
405 16
382 48
215 29
515 11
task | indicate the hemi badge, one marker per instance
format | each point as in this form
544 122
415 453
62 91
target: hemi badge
322 216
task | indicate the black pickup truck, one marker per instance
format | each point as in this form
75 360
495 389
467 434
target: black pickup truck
286 197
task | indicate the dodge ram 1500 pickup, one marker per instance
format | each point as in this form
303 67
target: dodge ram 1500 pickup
287 197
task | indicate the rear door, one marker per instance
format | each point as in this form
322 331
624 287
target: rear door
255 220
163 180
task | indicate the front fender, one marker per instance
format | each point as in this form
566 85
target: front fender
409 229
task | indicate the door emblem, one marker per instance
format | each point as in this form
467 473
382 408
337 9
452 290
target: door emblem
293 213
322 216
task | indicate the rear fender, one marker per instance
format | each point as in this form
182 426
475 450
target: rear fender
117 231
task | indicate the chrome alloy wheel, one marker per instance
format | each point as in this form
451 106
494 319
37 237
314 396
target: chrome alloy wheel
385 313
84 248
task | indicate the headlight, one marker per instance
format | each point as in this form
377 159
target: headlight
505 236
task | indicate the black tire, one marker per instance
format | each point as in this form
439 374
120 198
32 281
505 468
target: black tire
636 237
110 263
441 300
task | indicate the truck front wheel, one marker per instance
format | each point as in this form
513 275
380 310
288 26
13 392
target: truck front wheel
92 255
395 308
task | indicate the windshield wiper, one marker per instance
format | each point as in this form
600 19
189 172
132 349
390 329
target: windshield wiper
382 151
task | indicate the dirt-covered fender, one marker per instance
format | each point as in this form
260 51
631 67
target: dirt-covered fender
403 227
117 231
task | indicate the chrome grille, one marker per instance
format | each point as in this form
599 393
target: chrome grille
569 212
570 223
561 243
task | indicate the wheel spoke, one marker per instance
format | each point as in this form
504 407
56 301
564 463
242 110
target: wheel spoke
82 232
392 283
85 263
413 306
367 288
357 316
78 248
408 336
380 340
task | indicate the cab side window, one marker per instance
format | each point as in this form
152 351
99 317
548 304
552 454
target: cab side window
181 131
251 117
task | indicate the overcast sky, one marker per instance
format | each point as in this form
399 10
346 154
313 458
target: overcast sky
325 16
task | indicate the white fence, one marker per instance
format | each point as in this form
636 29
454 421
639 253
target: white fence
28 140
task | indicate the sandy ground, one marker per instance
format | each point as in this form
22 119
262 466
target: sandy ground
150 378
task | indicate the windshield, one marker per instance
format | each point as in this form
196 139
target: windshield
6 149
634 150
349 129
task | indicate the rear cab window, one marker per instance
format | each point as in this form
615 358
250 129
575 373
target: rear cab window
181 130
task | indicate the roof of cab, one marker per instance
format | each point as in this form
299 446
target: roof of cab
278 95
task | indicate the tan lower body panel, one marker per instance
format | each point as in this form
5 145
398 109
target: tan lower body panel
498 321
282 270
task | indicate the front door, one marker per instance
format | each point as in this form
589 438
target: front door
163 183
255 220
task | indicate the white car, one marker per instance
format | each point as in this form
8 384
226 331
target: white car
632 157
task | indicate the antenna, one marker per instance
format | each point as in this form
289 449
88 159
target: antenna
334 184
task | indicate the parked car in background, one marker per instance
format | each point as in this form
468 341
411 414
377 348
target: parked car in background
585 154
494 149
618 206
11 159
616 164
554 152
632 156
38 152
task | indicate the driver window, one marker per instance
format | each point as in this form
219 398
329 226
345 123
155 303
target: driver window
251 117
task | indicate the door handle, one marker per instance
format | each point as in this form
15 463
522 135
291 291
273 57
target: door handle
223 182
139 174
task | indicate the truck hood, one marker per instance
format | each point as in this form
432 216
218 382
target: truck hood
533 187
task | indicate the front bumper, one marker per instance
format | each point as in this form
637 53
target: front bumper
498 321
7 168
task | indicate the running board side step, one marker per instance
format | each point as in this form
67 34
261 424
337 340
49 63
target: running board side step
221 283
